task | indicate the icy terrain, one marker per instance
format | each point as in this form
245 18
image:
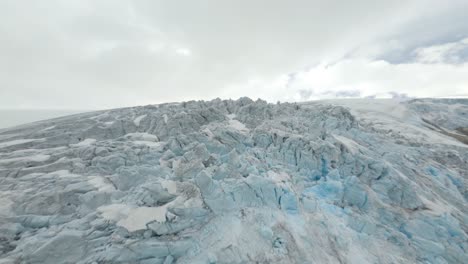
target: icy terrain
352 181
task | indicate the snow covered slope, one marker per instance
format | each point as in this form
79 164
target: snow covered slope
343 181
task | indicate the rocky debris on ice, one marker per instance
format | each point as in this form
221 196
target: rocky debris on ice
343 181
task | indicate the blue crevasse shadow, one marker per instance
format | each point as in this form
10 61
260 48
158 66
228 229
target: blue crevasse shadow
324 169
433 171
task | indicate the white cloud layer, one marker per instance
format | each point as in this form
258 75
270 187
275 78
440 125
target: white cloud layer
452 52
84 54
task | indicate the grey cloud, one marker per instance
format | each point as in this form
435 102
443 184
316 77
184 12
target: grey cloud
306 94
351 93
397 95
446 23
452 53
94 54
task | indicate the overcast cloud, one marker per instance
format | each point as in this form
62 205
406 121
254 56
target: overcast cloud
88 54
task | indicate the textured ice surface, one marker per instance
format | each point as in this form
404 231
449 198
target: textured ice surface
344 181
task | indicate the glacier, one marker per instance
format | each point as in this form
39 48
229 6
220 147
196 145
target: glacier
239 181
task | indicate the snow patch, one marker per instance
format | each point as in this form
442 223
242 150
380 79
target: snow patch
144 139
63 174
34 158
48 128
18 141
133 219
84 143
350 144
141 137
280 178
114 212
208 132
236 124
5 206
170 186
148 143
101 183
137 120
435 207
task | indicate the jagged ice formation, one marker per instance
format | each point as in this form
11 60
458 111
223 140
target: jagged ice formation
344 181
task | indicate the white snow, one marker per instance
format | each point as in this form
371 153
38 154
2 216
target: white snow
148 143
99 116
101 183
133 218
279 177
35 158
5 206
84 143
435 207
140 216
114 212
170 186
236 124
63 174
208 132
48 128
142 137
350 144
137 120
18 141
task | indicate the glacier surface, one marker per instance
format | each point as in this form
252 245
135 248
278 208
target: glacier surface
223 181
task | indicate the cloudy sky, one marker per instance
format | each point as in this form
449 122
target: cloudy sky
92 54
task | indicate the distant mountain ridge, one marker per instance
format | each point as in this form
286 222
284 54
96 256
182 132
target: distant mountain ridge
14 117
